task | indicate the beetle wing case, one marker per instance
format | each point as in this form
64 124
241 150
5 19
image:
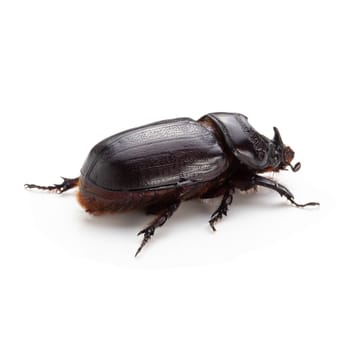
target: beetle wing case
158 155
250 147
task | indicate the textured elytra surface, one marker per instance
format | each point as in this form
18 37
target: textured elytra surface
167 153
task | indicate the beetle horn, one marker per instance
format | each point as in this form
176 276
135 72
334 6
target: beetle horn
277 137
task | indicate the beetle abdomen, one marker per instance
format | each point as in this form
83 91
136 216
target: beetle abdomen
165 154
97 200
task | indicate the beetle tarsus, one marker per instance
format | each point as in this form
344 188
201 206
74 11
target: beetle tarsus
147 234
66 185
160 220
303 205
222 209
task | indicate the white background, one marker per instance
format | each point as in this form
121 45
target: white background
272 276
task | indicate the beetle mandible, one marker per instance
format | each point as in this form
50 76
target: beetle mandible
157 166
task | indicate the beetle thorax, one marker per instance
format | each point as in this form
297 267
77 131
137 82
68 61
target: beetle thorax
258 142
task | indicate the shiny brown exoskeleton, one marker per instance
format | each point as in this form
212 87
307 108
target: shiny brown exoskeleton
157 166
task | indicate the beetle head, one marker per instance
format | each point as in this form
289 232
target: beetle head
281 155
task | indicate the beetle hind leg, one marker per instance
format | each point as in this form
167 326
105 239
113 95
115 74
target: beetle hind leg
160 220
222 209
66 185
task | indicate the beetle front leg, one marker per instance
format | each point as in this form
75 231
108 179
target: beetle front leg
160 220
282 190
222 209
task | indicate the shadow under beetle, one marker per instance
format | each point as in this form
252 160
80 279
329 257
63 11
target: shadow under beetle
157 166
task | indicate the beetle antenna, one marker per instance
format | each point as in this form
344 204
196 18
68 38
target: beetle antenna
296 167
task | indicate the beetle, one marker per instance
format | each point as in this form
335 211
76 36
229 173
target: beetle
157 166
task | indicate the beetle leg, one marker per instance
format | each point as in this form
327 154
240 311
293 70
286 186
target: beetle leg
282 190
160 220
66 185
222 209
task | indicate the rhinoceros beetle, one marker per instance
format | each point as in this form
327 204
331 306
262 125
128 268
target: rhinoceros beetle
157 166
